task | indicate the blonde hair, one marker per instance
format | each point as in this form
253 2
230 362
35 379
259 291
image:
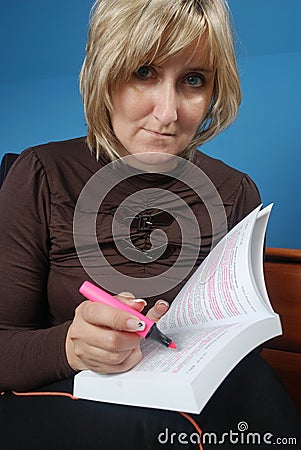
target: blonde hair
126 34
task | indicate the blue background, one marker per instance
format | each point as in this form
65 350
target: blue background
42 47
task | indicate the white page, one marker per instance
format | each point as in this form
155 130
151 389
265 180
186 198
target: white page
256 255
195 348
222 289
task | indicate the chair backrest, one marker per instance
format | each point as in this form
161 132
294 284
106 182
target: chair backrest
6 163
283 280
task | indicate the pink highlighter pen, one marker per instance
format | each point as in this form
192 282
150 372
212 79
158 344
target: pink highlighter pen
96 294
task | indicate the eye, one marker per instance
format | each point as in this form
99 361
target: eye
195 80
144 72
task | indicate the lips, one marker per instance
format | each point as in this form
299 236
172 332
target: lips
159 133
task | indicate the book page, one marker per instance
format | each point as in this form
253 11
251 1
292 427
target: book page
194 349
222 290
257 256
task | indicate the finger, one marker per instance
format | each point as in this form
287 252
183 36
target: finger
129 299
124 296
102 315
111 340
101 365
86 342
97 355
158 310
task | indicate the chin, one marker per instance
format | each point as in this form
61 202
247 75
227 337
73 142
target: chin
153 161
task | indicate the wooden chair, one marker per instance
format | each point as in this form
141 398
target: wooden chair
283 280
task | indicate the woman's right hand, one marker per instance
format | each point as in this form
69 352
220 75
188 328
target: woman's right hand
103 339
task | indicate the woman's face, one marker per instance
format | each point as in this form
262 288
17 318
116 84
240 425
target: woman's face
161 107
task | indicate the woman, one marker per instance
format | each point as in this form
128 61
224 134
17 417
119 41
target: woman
159 79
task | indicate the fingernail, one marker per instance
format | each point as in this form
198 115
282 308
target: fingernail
139 300
126 294
162 302
135 325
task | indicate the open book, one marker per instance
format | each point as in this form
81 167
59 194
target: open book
221 314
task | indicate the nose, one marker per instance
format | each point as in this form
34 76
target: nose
165 108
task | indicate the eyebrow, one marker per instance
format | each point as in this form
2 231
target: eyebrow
208 69
200 69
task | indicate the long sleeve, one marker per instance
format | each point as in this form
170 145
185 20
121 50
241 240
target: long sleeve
32 352
246 198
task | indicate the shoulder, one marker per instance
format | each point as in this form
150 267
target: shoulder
52 154
64 159
237 190
63 167
218 171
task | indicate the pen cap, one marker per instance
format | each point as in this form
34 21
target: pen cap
96 294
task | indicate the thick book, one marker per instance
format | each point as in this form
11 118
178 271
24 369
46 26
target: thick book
222 313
